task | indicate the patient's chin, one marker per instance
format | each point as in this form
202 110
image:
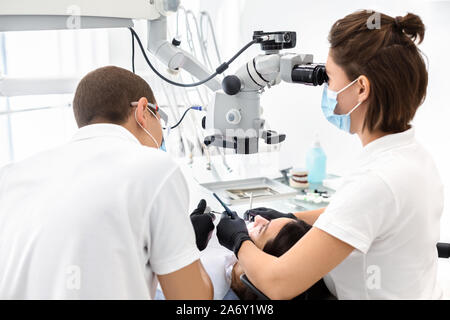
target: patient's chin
251 231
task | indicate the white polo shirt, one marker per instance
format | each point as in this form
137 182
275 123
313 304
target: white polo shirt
389 210
94 219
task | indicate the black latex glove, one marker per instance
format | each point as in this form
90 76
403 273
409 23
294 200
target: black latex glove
266 213
232 231
203 225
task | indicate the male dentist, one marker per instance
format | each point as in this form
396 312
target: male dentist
104 216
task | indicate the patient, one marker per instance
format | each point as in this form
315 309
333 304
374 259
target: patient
275 237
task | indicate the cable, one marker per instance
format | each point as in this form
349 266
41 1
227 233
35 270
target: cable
238 54
132 52
161 76
219 70
184 114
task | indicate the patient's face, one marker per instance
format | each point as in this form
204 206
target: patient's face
262 230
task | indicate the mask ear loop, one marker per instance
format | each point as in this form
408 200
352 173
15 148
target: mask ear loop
151 136
354 108
347 86
348 113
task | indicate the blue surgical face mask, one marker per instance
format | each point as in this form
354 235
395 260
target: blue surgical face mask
163 145
166 132
329 102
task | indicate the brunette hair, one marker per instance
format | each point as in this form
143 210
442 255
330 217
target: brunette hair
105 95
387 55
286 238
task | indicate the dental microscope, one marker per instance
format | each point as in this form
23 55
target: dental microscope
234 114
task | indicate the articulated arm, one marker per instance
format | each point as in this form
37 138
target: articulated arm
174 57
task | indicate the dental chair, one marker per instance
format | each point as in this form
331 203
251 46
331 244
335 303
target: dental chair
442 248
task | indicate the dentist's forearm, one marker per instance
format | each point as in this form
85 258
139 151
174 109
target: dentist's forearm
259 267
309 216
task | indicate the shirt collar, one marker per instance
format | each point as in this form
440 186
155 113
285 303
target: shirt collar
388 142
104 130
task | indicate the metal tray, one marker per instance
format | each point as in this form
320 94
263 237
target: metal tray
238 191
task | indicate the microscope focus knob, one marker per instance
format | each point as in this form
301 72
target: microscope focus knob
231 85
233 116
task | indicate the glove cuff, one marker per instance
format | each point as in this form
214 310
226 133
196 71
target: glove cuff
292 216
239 239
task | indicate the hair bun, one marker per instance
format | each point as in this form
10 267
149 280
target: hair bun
411 25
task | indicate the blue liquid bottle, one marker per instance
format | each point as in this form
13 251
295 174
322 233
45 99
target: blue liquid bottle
316 163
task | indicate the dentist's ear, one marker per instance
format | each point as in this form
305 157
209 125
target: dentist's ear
364 88
141 116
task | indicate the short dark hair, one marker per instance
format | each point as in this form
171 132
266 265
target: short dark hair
105 94
286 238
388 56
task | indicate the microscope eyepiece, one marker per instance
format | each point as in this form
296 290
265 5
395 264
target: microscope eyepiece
309 74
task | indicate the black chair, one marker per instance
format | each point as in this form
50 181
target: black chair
442 248
259 294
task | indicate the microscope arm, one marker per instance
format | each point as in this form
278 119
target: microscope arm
264 70
173 56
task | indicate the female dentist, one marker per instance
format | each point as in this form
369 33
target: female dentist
377 238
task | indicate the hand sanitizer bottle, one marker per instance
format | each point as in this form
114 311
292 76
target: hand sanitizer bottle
316 162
